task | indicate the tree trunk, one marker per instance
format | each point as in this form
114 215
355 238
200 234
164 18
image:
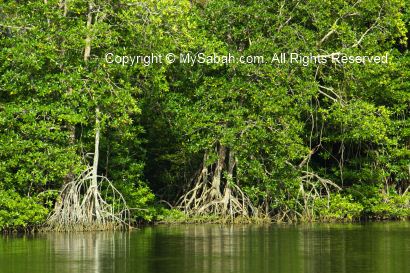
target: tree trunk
223 198
87 52
228 191
87 49
216 180
96 147
71 128
63 5
82 206
94 175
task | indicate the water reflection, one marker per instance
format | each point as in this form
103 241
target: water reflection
60 252
211 248
357 248
232 249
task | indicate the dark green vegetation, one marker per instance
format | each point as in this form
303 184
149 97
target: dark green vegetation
231 142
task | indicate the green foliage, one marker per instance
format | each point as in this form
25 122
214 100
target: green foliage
17 213
175 216
171 216
381 204
391 206
347 124
338 208
140 200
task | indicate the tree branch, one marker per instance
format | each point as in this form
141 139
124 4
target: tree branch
15 27
368 30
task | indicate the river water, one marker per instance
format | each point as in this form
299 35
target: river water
318 248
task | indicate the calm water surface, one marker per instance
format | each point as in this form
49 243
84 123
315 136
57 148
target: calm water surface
361 248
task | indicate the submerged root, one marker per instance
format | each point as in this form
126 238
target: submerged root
81 207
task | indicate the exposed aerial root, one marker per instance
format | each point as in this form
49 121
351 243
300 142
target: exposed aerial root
81 207
213 194
202 200
312 187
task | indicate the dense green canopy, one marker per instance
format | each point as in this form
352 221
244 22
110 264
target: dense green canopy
320 138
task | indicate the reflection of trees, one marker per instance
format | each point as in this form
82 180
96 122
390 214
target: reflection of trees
87 252
63 252
309 249
356 248
211 248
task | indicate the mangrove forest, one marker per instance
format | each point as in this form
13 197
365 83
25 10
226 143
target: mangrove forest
117 113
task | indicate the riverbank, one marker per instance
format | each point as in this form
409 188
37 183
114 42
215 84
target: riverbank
26 214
